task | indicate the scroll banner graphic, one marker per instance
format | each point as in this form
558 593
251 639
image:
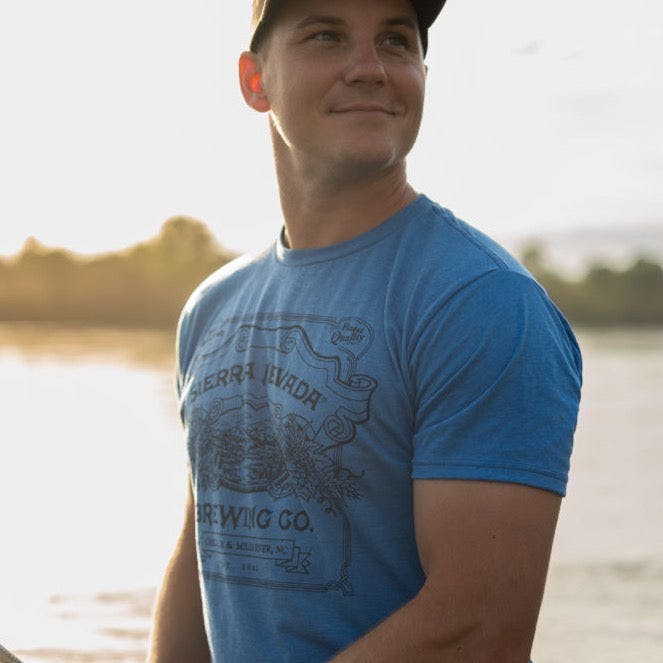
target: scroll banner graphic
345 402
338 398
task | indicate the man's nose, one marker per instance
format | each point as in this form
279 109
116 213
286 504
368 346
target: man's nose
365 67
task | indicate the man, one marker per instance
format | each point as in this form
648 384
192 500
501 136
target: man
379 408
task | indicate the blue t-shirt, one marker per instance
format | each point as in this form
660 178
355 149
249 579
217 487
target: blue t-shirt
316 384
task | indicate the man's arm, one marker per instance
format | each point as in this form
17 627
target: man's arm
484 548
178 633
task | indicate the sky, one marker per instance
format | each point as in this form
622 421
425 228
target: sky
541 117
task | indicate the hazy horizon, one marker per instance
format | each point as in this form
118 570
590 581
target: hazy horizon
568 250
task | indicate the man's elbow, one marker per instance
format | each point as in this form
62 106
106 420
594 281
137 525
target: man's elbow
486 643
505 643
470 632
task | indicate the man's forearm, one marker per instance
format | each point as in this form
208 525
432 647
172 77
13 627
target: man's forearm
178 632
422 632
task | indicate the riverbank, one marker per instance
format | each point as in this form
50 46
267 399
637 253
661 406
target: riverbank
146 286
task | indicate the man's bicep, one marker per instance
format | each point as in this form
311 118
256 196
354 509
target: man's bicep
485 547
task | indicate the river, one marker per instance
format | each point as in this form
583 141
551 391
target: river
93 481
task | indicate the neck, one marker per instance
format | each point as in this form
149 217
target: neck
324 210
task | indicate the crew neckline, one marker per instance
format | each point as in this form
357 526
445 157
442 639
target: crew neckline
295 257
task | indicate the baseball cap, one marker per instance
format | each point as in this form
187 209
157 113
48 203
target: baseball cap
263 12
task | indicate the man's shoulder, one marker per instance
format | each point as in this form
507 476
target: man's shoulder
441 238
223 285
451 276
439 254
227 278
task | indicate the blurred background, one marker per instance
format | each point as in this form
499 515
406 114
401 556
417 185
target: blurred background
130 169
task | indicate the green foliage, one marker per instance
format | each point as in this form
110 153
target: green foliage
146 285
605 296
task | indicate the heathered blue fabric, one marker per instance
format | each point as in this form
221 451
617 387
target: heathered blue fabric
316 384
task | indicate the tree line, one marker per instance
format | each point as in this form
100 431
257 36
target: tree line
605 296
147 284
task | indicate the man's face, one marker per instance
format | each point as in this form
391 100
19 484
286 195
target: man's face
345 83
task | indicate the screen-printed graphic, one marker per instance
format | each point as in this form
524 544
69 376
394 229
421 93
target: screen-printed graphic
271 406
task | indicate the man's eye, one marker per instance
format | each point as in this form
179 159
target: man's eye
397 40
325 35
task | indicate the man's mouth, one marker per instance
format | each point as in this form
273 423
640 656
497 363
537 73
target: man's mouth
363 108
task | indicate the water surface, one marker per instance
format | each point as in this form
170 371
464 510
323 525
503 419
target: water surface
93 480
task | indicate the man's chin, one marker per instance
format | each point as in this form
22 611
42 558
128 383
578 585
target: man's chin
365 164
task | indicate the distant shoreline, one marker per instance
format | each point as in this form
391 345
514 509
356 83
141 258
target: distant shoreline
146 285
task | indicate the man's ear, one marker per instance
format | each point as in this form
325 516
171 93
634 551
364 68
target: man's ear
250 81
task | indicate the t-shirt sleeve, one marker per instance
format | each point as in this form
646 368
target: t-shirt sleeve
497 373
